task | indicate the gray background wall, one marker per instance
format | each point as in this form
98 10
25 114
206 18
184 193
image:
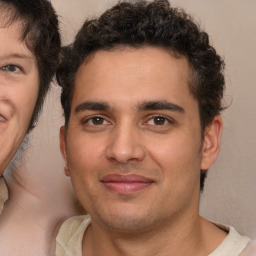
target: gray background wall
230 190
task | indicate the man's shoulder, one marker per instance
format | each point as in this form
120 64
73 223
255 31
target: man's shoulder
73 226
233 245
70 235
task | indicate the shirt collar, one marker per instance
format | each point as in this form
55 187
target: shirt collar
3 193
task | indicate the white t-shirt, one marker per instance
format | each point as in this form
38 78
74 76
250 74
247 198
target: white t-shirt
70 236
3 193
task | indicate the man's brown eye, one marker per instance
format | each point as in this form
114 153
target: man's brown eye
97 120
159 120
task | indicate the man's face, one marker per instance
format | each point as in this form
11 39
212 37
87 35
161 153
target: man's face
18 90
133 144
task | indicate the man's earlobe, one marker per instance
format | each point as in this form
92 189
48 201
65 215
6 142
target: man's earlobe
66 170
211 143
63 149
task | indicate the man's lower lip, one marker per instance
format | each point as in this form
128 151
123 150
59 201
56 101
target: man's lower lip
126 187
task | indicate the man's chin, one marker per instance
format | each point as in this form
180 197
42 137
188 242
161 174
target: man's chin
125 221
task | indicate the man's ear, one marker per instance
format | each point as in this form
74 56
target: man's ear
63 148
211 143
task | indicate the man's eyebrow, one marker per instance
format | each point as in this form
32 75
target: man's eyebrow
92 105
160 105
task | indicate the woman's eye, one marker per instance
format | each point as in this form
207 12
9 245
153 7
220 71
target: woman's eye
11 68
158 120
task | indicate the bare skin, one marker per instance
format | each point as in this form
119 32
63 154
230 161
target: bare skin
134 150
31 216
185 242
38 199
19 84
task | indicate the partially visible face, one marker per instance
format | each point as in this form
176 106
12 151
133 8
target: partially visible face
133 145
19 85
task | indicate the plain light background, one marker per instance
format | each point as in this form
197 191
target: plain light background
230 190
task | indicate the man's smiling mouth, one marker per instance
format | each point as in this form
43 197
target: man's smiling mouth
126 184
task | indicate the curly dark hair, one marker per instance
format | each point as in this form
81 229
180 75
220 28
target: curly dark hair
41 34
156 23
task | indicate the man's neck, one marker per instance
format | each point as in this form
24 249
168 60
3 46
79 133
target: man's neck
197 237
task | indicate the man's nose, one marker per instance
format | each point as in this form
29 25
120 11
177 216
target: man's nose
125 145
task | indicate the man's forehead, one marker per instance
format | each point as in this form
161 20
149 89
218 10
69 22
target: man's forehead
110 70
128 56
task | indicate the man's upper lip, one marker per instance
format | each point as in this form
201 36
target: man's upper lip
123 178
